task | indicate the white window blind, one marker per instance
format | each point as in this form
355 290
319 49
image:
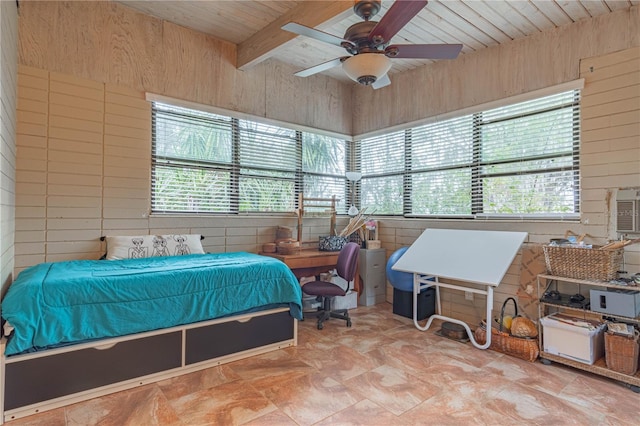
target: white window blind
528 158
268 158
192 158
324 165
517 160
441 161
208 163
382 161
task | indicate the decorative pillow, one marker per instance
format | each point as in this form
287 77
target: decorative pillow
139 246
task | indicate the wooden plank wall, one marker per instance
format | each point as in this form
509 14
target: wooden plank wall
31 166
127 161
8 77
83 171
74 166
110 43
498 72
610 151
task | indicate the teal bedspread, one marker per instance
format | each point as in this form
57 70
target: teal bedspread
63 302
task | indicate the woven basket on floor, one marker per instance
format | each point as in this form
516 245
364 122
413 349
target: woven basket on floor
621 352
521 347
583 263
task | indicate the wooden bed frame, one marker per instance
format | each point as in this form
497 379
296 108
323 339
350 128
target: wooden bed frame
40 381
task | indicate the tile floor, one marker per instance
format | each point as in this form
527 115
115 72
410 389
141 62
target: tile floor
381 371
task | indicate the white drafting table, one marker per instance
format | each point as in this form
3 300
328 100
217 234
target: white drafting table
479 257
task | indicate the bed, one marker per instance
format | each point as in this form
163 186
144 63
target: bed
115 324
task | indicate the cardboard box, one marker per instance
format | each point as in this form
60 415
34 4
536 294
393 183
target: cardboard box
621 302
531 265
574 338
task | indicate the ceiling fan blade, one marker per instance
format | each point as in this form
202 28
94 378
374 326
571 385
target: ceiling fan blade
381 82
321 67
317 34
423 51
400 12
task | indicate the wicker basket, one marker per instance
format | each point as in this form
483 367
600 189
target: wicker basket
583 263
621 353
284 233
288 247
520 347
501 341
269 248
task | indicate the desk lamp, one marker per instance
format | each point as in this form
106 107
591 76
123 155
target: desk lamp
353 177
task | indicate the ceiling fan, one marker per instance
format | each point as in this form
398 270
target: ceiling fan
368 43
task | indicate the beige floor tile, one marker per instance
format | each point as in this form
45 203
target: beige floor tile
340 362
311 398
365 413
200 380
617 404
527 405
227 404
275 418
450 407
145 405
392 388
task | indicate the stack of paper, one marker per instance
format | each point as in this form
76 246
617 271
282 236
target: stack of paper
620 329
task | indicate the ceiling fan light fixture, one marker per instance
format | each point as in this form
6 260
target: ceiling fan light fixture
366 68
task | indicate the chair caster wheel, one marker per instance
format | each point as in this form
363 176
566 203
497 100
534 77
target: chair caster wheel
320 326
348 323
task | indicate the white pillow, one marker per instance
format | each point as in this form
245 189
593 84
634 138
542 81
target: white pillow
139 246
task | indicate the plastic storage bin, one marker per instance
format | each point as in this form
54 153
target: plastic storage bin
573 338
403 303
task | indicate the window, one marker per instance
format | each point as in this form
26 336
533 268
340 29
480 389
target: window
517 160
208 163
192 161
320 155
267 158
382 163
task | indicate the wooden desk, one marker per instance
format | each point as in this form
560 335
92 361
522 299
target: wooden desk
312 262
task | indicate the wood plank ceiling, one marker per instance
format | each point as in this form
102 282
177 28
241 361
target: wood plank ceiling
477 24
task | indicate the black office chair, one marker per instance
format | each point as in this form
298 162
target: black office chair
326 291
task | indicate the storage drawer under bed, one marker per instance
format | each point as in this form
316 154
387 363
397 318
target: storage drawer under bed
230 337
37 379
52 378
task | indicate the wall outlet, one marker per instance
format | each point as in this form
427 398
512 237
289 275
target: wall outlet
468 295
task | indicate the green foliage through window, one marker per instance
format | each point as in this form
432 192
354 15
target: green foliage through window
521 159
208 163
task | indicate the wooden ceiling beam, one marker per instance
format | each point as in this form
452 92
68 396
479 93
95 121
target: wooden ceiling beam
263 44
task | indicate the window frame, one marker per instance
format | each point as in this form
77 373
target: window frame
239 171
477 163
353 162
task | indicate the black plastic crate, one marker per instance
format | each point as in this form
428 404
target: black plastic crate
403 303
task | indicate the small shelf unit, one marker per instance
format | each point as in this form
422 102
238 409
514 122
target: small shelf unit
600 366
